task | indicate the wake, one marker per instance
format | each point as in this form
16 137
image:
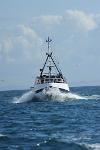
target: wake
53 95
28 96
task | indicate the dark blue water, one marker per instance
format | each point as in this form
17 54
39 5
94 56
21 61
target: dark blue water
69 124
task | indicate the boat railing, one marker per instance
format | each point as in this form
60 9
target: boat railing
49 80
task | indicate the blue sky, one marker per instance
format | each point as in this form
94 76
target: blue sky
74 26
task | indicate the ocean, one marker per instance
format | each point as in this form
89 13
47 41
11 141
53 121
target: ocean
70 122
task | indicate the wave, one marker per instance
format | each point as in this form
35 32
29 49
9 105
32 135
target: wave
52 94
57 144
95 146
93 97
2 135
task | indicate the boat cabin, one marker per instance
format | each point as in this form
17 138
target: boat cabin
47 79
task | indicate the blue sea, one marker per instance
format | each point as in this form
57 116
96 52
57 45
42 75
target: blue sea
66 123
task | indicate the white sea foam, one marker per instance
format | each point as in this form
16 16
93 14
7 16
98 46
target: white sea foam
53 94
24 98
56 94
2 135
95 146
93 97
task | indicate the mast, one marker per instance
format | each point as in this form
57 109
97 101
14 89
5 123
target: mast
50 59
49 66
48 41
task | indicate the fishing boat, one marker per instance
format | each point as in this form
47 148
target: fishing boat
50 77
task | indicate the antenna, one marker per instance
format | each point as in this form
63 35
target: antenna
48 41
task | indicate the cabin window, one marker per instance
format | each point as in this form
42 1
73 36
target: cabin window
59 80
38 81
42 81
51 80
55 80
47 80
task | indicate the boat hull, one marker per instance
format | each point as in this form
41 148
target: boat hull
63 86
50 89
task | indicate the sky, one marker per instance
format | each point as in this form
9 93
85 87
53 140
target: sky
73 25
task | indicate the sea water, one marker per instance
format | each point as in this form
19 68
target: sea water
68 122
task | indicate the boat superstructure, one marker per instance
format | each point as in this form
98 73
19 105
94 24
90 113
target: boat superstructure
50 76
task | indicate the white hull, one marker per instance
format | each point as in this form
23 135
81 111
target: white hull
54 85
48 89
50 93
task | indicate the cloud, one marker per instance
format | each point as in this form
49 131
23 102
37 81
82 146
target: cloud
77 18
27 36
81 19
28 40
25 41
51 20
20 46
28 32
6 47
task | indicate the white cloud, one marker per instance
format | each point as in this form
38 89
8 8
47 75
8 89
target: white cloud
81 19
20 46
7 44
77 18
28 31
51 19
6 47
28 37
29 41
25 42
